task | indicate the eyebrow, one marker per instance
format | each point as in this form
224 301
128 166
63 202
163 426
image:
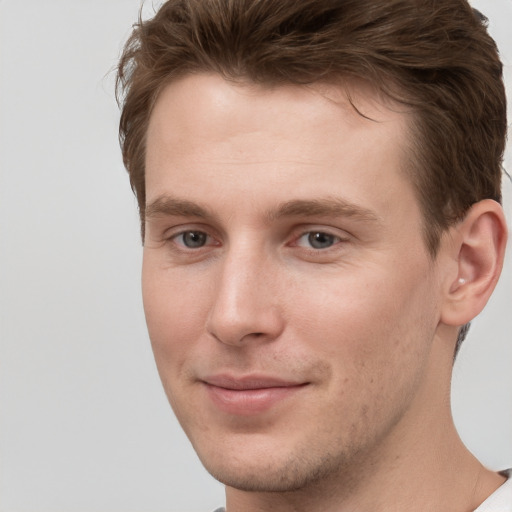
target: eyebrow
171 206
325 207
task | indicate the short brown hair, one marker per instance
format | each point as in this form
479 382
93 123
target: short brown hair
435 56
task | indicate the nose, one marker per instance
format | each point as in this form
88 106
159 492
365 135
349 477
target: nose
245 306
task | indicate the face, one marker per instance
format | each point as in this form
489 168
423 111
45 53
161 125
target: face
289 296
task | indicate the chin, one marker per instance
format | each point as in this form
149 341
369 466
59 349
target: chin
267 478
263 471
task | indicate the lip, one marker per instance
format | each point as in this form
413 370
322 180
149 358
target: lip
250 394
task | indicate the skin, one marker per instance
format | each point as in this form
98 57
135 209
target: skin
284 240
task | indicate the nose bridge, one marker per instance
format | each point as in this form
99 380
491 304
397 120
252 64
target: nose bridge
244 305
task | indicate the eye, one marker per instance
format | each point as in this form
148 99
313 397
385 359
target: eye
192 239
318 240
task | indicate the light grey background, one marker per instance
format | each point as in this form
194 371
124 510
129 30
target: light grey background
84 424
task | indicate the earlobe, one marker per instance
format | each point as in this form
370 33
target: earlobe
480 250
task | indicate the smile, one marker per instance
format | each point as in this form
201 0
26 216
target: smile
248 396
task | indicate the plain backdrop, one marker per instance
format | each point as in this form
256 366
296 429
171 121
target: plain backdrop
84 424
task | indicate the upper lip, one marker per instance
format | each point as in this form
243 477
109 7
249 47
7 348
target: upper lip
245 382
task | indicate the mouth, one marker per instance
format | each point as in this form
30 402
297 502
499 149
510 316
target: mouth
251 394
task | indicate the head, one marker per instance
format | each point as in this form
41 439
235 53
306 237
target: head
423 82
440 62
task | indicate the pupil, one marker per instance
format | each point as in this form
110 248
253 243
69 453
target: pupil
194 239
320 240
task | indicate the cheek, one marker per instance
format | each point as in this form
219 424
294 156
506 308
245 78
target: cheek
175 307
374 328
375 344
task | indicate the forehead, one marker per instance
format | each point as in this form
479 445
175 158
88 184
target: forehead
235 106
206 134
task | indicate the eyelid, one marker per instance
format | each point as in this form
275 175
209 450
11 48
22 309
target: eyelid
182 227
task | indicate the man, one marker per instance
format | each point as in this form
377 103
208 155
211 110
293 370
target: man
319 189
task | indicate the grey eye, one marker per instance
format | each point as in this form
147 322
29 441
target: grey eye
319 240
193 239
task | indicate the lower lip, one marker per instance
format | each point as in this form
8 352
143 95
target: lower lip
247 402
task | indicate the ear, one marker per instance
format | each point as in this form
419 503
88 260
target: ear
477 244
